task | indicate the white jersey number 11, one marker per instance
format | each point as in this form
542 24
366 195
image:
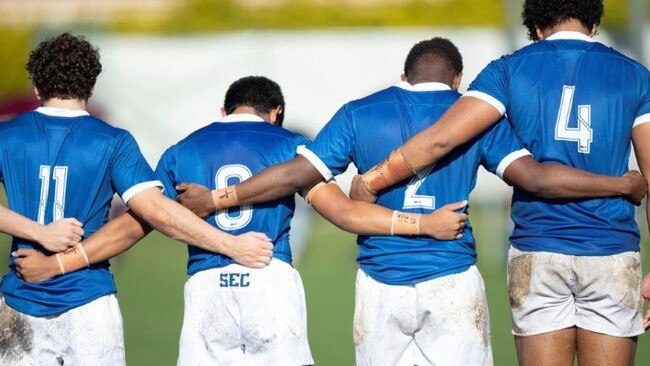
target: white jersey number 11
61 181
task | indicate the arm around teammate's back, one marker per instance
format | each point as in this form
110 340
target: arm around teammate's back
250 249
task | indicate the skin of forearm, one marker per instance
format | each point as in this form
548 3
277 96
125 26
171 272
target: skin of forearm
641 142
555 181
463 121
177 222
19 226
353 216
116 237
278 181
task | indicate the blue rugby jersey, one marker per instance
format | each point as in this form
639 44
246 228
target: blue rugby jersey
574 101
365 131
223 154
57 163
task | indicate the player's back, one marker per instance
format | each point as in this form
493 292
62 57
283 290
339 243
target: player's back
57 164
223 154
574 101
365 131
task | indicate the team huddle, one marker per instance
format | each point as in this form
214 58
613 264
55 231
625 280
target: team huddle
554 120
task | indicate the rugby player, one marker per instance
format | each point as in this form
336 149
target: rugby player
574 266
437 313
56 162
234 314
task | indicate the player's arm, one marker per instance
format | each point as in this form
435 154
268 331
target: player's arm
118 235
250 249
464 120
114 238
556 181
640 140
369 219
270 184
55 237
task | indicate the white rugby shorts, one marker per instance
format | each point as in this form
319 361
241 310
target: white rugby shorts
236 315
439 322
90 334
552 291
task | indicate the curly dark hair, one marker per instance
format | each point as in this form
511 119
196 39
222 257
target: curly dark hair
65 67
257 92
434 49
545 14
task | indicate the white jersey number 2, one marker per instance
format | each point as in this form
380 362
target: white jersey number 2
414 200
583 134
225 220
61 181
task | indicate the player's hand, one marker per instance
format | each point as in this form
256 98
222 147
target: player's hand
34 266
638 187
196 198
445 223
61 235
359 190
251 250
645 292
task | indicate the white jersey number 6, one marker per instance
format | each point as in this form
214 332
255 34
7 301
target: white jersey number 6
225 220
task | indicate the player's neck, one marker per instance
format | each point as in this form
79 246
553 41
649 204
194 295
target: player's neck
242 109
73 104
571 25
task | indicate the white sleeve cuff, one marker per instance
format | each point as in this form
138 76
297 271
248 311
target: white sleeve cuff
503 165
131 192
641 120
315 161
494 102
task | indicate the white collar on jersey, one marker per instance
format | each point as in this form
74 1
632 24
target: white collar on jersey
569 35
242 117
423 86
61 112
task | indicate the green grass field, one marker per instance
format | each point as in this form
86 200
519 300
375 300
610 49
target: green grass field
150 283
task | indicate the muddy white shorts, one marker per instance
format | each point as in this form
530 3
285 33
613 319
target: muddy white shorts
241 316
90 334
439 322
551 291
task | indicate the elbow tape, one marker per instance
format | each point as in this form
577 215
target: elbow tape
388 172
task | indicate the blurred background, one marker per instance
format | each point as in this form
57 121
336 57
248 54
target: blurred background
167 65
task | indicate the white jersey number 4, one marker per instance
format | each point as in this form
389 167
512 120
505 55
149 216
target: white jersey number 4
414 200
225 219
583 134
61 181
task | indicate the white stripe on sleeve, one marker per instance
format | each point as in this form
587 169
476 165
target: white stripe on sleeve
315 161
505 162
494 102
641 120
131 192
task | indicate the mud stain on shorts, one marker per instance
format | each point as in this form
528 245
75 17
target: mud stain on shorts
627 279
16 335
520 279
480 319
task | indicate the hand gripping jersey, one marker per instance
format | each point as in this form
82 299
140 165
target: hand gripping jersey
56 164
365 131
223 154
571 101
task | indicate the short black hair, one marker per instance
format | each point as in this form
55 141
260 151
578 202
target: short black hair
434 50
258 92
545 14
65 67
